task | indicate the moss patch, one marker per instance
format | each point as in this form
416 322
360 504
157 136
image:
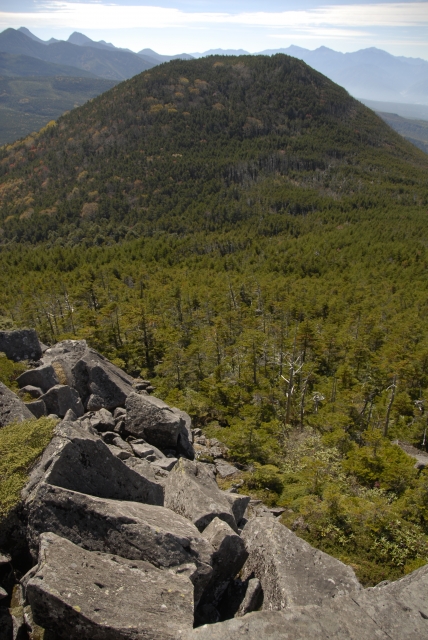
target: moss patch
20 445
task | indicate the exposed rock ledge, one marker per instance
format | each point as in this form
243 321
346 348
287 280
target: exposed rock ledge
129 535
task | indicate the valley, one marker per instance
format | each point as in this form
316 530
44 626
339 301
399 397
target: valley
253 240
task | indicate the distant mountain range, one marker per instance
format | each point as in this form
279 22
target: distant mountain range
371 73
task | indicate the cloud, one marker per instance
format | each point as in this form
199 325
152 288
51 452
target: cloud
80 15
321 33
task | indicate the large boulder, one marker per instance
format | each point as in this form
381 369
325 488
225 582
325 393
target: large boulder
37 408
191 491
185 436
239 504
43 377
78 460
60 398
75 593
22 344
395 611
290 570
132 530
12 409
153 420
98 381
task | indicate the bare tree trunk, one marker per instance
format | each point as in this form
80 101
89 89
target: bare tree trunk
291 380
391 402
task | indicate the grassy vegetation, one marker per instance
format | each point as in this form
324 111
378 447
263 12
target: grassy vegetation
10 371
20 446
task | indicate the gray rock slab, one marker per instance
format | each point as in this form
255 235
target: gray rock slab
399 608
290 570
239 504
167 464
303 623
144 450
12 409
63 356
92 375
60 398
37 408
102 420
397 611
191 491
34 392
94 596
43 377
130 529
185 436
120 453
70 416
96 376
142 467
78 460
251 599
22 344
153 420
227 561
224 469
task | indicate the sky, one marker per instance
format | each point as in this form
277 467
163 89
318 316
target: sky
177 26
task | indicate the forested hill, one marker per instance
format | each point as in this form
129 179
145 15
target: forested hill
202 143
254 241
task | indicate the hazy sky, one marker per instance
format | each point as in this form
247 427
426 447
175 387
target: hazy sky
175 26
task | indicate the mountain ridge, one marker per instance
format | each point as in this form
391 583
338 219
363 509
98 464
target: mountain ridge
233 111
104 63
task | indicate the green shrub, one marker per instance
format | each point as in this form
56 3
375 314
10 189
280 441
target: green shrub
9 371
20 445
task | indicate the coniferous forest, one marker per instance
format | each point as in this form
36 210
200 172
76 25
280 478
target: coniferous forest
254 241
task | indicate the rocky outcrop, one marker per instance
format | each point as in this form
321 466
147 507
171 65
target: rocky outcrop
134 539
22 344
185 435
60 398
129 529
153 420
37 408
12 409
43 377
90 595
191 491
290 571
80 461
228 559
396 611
99 383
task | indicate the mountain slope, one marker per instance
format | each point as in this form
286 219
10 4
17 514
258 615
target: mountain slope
28 103
209 135
13 65
105 63
415 131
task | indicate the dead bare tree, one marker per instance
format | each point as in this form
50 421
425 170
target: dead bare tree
393 388
295 364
